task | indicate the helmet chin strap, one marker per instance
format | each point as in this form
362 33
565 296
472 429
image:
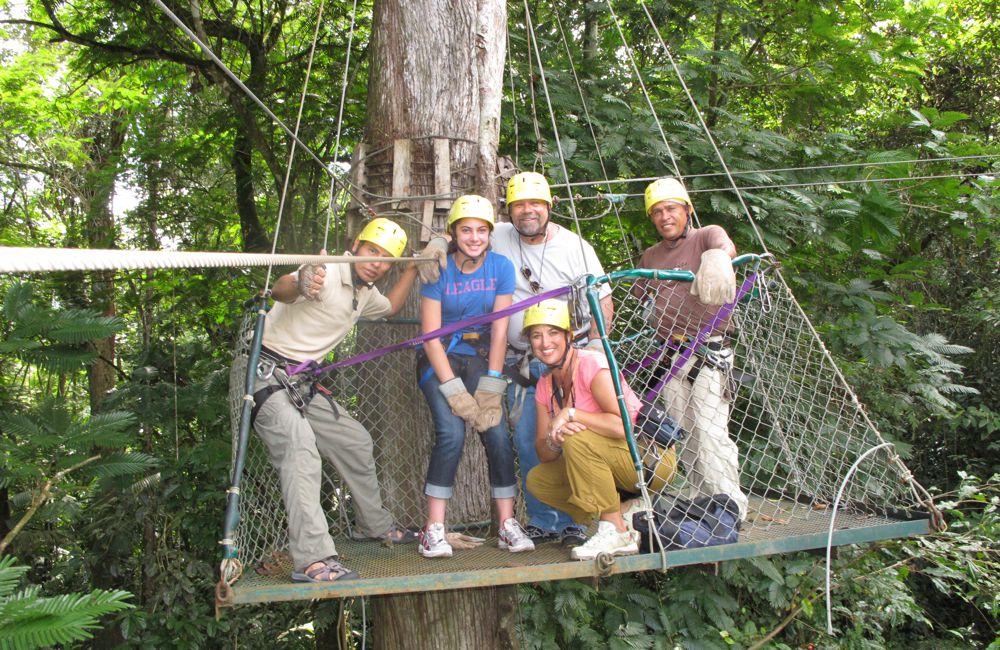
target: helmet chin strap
687 228
562 361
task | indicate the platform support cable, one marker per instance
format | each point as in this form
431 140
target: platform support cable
616 375
597 147
253 97
340 123
552 121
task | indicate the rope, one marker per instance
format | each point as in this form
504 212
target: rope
340 119
649 103
32 260
704 126
593 135
555 128
249 93
738 172
295 140
833 518
776 186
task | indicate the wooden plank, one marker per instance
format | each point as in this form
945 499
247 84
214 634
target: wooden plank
442 172
427 222
359 178
402 154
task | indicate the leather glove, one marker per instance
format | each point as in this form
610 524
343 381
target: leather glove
715 281
462 542
311 279
462 404
489 397
596 345
436 248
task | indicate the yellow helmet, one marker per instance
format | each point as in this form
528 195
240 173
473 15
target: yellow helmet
385 233
471 206
666 189
528 185
548 312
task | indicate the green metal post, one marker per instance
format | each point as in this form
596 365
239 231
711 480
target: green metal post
232 518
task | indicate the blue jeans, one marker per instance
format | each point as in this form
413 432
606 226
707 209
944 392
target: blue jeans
449 436
540 515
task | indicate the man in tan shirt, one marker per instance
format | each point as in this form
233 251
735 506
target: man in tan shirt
696 395
316 308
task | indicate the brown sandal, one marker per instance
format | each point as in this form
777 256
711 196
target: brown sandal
330 570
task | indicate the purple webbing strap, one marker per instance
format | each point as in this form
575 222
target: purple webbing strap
702 336
443 331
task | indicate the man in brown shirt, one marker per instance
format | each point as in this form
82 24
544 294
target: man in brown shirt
695 396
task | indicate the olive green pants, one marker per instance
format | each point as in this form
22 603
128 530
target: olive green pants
584 481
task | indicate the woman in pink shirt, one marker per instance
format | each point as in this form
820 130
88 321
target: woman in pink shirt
580 436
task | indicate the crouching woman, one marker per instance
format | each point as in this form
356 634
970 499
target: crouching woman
579 435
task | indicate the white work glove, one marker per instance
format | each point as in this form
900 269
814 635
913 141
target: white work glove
311 279
462 404
436 248
715 281
489 396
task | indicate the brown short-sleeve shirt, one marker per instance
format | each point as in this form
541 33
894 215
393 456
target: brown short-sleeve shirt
676 311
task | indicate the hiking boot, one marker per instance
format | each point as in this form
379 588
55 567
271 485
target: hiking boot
433 542
513 538
607 540
573 535
539 535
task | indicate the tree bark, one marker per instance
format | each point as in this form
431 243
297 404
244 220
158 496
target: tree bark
436 70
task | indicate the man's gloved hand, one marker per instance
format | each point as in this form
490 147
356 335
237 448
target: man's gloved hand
715 281
436 248
489 396
311 279
462 404
596 345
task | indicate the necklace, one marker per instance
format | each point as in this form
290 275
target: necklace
534 280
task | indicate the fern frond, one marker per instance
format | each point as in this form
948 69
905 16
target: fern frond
10 575
78 326
126 464
109 429
60 620
58 359
21 425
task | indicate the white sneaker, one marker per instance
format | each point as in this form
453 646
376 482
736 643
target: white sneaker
608 540
513 538
433 542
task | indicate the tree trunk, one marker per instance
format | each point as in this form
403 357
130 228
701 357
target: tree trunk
436 70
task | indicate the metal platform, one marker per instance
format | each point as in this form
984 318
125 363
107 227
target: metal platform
774 527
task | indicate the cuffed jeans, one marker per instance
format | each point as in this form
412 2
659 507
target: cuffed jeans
540 515
449 436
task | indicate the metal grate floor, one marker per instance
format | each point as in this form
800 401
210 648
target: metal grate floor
772 527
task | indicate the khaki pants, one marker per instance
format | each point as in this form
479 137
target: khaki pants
296 446
710 457
584 481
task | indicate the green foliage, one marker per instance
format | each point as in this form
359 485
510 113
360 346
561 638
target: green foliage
812 104
53 339
898 593
28 620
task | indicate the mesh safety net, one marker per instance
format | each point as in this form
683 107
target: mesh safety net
760 373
